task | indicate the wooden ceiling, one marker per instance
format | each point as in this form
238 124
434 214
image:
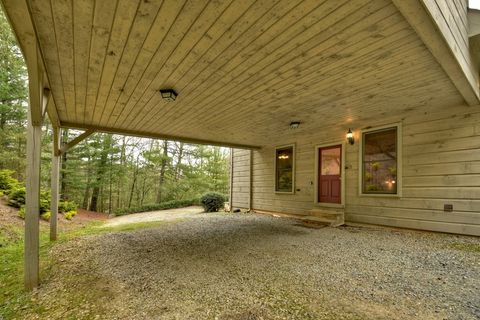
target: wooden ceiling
243 69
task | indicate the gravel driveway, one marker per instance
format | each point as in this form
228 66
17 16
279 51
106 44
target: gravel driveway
251 266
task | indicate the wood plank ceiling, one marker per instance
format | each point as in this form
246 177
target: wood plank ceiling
243 69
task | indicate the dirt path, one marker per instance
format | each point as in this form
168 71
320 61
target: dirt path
162 215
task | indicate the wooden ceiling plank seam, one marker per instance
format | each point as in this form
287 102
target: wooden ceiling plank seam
260 79
103 20
158 136
52 65
63 34
189 60
208 66
144 56
82 21
236 79
175 44
222 65
107 84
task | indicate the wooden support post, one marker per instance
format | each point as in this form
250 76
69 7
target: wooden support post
250 189
32 205
55 179
231 180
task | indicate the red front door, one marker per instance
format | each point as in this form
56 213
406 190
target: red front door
329 174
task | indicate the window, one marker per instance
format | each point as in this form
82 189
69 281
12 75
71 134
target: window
284 169
379 161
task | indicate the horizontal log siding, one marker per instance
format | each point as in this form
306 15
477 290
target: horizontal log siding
441 165
241 178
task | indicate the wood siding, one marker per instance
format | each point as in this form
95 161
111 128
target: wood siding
241 178
441 165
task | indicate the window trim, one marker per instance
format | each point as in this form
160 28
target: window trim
275 169
342 176
398 126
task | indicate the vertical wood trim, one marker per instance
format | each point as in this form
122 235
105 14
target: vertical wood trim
250 187
230 200
32 205
55 177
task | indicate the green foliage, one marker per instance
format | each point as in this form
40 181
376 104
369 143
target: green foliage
7 182
158 206
21 212
46 216
212 201
70 214
66 206
16 198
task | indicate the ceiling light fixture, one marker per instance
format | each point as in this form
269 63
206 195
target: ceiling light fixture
168 94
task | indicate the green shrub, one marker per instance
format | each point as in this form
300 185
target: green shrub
16 198
65 206
21 212
46 216
158 206
7 182
212 201
70 214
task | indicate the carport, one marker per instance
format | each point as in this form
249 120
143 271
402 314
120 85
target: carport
187 70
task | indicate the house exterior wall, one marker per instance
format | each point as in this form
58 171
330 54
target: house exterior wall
440 162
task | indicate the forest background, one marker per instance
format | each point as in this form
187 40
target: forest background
105 173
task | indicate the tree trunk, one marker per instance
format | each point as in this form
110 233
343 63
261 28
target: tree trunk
107 142
163 167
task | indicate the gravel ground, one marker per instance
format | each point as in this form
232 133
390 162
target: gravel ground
250 266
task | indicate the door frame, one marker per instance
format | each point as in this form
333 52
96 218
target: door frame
342 176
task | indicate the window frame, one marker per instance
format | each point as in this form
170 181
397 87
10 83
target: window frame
398 194
275 169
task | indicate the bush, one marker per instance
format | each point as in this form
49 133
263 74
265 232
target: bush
157 206
70 214
7 182
16 198
65 206
46 216
21 212
212 201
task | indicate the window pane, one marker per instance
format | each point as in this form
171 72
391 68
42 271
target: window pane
330 161
284 174
380 161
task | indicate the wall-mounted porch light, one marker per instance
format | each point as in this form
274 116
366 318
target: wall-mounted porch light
294 124
168 95
350 138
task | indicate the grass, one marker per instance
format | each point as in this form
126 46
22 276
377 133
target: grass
14 300
468 247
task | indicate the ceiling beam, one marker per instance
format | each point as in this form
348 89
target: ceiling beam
158 136
420 18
